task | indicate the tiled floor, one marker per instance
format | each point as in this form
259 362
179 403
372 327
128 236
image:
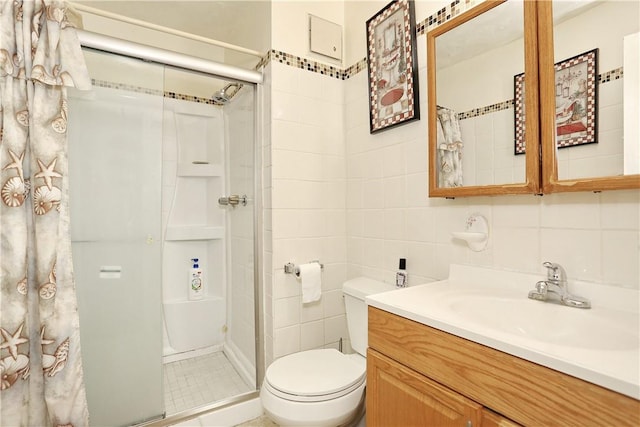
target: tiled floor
262 421
201 380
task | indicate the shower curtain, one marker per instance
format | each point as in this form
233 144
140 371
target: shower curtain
39 347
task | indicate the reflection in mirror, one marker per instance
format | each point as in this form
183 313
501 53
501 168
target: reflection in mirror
597 95
475 65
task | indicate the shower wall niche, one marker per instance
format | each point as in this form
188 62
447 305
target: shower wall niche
193 225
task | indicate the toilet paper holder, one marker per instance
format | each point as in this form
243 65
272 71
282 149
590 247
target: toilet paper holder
291 268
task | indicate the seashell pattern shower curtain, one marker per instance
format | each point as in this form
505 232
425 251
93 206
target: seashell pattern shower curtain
40 362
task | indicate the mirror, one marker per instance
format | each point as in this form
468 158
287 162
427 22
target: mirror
473 60
594 98
572 125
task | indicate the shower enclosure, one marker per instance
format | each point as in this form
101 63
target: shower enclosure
151 152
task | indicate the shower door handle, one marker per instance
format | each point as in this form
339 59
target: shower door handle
233 200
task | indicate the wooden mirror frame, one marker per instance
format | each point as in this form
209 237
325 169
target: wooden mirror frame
550 181
541 152
532 147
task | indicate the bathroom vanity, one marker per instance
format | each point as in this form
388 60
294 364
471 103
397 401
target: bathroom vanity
429 365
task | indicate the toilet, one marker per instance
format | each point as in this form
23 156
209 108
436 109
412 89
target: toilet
324 387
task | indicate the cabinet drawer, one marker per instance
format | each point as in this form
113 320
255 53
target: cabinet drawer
520 390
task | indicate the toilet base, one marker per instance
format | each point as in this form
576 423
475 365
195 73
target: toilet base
346 410
360 420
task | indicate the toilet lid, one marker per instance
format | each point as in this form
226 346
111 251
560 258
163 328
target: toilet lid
315 373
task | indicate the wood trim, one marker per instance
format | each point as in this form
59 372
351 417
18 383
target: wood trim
431 112
547 95
522 391
531 184
481 190
550 181
532 97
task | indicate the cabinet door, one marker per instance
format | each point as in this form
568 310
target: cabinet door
399 396
491 419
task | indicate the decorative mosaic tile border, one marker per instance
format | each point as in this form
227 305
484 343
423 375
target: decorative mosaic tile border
190 98
306 64
445 14
603 78
614 74
313 66
156 92
334 72
122 86
481 111
355 68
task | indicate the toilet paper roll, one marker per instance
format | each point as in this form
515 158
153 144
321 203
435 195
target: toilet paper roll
310 275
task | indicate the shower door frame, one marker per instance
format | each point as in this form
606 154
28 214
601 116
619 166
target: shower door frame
223 71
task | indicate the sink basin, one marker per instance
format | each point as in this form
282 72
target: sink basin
598 329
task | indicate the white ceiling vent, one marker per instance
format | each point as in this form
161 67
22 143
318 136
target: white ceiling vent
325 37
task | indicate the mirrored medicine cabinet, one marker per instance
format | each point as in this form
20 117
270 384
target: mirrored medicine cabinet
535 97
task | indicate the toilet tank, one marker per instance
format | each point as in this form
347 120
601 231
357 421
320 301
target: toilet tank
355 291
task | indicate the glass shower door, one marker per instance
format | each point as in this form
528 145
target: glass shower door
240 136
115 161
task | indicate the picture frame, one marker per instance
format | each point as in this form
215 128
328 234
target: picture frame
393 66
576 102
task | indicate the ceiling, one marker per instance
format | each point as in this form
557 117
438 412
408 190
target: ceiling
495 28
241 22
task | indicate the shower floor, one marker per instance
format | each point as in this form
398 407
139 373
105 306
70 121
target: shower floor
200 380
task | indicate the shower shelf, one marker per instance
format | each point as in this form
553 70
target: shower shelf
199 169
194 232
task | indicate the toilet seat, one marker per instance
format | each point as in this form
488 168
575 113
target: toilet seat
314 376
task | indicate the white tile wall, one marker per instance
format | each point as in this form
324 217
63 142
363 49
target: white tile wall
488 150
312 335
595 236
308 199
373 196
526 230
269 282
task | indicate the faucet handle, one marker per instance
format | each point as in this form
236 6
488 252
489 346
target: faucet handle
555 271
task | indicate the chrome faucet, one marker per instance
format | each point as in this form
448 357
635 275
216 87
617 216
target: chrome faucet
556 284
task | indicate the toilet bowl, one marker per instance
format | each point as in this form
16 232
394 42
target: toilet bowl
314 388
324 387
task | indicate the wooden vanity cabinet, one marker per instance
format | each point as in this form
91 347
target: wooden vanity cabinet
421 376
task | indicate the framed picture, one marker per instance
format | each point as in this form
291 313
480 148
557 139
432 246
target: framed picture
576 102
392 61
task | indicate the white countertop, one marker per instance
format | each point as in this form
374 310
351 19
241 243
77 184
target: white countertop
490 307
